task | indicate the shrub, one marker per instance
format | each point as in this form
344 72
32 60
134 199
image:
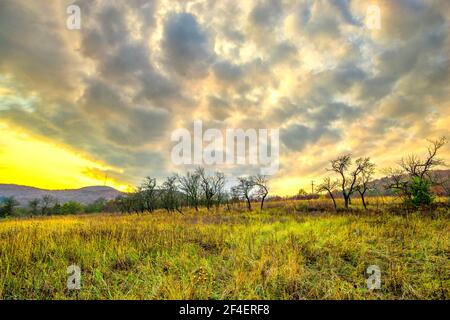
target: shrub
96 206
56 209
71 207
7 206
421 192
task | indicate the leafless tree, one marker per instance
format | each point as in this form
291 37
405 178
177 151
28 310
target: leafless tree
341 166
170 197
212 186
190 186
219 187
149 194
262 189
364 180
414 166
398 181
329 186
244 189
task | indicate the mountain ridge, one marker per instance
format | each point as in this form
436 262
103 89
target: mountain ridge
24 194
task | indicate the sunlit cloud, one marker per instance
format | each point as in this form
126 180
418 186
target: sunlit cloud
103 100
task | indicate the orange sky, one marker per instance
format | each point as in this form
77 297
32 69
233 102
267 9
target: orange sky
27 160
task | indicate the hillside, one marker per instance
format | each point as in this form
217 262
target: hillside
380 184
24 194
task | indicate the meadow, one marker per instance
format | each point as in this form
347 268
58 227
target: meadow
287 251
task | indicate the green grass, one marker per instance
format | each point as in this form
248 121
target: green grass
226 255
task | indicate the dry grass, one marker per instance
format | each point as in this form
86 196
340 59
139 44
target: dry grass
280 253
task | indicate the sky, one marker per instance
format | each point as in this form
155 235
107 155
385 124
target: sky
97 105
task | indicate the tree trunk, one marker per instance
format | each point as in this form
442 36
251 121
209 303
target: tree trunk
334 201
249 204
346 201
262 202
363 201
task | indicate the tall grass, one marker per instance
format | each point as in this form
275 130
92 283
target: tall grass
275 254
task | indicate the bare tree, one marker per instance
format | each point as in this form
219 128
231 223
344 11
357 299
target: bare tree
363 183
329 186
170 197
190 186
261 183
412 167
212 186
398 181
244 189
341 166
206 186
149 194
219 187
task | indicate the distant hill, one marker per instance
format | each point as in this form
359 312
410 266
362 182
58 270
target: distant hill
24 194
380 184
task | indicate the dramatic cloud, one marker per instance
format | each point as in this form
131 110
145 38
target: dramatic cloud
186 46
112 92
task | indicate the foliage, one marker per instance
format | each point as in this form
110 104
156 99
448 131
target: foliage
421 192
98 205
7 206
71 207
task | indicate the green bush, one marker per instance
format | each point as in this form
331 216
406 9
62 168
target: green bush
421 192
71 207
56 208
7 206
96 206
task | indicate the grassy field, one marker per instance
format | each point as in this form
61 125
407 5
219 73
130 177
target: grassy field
281 253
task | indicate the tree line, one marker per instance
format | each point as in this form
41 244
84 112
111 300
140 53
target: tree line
195 189
48 205
412 180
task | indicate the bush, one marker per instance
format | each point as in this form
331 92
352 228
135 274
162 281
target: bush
96 206
56 208
71 207
7 206
421 192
